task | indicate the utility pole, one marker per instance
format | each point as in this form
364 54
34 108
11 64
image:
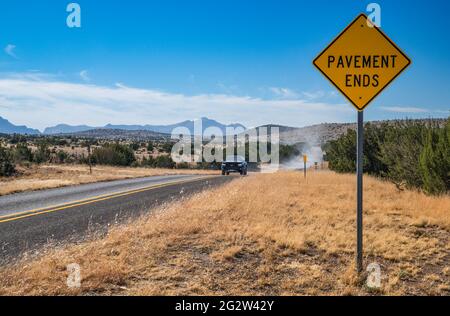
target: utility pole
89 157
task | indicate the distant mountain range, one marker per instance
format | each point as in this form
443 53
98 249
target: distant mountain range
162 129
314 135
119 134
8 128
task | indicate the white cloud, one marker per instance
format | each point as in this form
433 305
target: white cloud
85 75
284 93
314 95
41 101
9 49
319 95
400 109
227 88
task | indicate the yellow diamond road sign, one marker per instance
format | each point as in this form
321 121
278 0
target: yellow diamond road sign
361 62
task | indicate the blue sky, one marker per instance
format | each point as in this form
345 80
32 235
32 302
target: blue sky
247 61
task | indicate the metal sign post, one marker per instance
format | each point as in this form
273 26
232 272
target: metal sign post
359 208
305 160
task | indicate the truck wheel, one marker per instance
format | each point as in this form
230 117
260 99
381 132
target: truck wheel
223 173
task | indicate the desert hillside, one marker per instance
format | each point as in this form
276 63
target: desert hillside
323 133
284 236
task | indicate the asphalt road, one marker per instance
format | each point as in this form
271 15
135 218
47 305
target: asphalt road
31 220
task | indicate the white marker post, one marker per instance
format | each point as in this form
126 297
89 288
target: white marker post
305 160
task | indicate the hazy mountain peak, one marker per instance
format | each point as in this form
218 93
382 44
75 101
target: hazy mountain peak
7 127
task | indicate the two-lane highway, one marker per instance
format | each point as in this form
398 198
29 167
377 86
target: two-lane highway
30 220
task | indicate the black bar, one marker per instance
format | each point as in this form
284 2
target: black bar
167 305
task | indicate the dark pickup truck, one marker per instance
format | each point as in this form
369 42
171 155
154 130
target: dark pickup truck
234 164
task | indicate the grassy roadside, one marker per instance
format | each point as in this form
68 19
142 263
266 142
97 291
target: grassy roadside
53 176
271 234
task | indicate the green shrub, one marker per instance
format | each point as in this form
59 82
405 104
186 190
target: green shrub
166 147
182 165
288 152
7 167
341 153
400 152
113 155
148 162
164 161
411 154
61 156
435 161
42 155
17 139
135 146
22 154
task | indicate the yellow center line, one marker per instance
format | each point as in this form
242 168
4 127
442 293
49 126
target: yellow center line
94 199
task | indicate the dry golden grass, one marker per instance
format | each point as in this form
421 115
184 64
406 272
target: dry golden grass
261 235
53 176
